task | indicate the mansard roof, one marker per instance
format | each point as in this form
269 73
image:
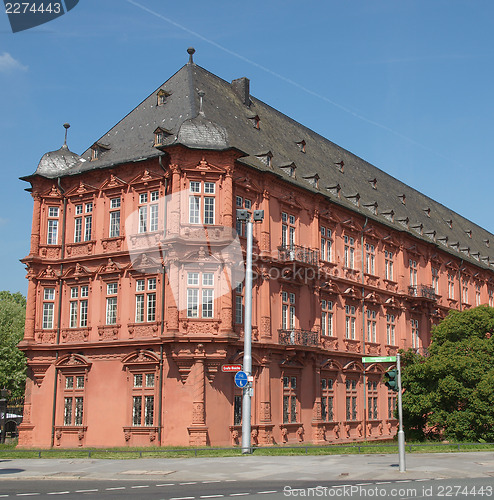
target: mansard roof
202 111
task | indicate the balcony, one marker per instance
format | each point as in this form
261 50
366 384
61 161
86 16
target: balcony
297 253
422 291
298 337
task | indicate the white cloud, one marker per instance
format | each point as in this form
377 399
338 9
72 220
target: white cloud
8 64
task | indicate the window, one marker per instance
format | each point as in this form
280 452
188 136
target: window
391 404
239 306
451 286
148 211
435 280
78 223
388 265
143 399
390 329
200 285
78 307
287 230
327 399
464 292
372 400
327 318
370 258
146 301
477 295
371 326
415 333
114 217
351 399
111 303
52 233
413 272
241 203
349 253
289 400
73 394
48 308
202 202
287 311
350 321
237 409
326 244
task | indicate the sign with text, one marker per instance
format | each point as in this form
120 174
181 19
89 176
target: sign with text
379 359
231 368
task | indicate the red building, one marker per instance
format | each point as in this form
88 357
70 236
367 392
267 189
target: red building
135 296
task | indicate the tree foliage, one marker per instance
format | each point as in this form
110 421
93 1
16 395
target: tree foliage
12 360
449 392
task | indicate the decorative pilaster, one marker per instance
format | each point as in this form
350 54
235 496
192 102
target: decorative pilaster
198 431
265 434
265 305
35 230
30 308
228 200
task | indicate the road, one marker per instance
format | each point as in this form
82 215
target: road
266 490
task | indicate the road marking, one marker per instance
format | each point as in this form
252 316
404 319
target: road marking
182 498
143 486
266 492
191 482
420 480
214 481
404 481
115 488
238 494
27 494
211 496
362 484
166 484
230 480
85 491
59 493
382 482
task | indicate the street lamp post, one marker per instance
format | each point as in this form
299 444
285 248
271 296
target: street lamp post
3 413
245 216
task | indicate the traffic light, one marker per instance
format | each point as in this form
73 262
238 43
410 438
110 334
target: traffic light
391 379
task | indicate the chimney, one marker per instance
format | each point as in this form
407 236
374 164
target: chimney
241 87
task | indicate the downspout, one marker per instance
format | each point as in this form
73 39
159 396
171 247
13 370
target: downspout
160 400
363 323
59 316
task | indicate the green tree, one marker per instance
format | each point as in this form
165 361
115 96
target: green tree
449 392
12 360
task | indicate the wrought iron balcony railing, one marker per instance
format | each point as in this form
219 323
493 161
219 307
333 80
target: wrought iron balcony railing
297 253
424 291
298 337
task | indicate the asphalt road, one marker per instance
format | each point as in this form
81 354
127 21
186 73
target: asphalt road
266 490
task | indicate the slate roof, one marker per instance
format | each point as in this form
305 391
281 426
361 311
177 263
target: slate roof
224 121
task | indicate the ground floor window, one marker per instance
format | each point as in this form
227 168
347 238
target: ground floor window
290 402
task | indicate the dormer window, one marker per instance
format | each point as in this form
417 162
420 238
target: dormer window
289 169
97 150
160 135
256 121
301 144
266 158
313 180
162 96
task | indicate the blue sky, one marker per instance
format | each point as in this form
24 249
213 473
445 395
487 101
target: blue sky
406 85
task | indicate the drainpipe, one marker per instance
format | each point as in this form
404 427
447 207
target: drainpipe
59 315
363 323
160 399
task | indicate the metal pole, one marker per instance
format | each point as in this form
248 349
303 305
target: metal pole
247 365
401 433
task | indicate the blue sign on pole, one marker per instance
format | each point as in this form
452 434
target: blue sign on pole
241 379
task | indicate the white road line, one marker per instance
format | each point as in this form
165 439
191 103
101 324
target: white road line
191 482
266 492
238 494
211 496
230 480
27 494
85 491
115 488
59 493
382 482
182 498
213 481
404 481
362 484
166 484
420 480
143 486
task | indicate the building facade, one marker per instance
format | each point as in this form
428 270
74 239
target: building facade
135 298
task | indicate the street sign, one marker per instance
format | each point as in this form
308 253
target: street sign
231 368
379 359
241 379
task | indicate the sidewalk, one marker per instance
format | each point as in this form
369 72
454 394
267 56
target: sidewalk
289 468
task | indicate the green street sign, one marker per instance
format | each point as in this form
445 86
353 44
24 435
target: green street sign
379 359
